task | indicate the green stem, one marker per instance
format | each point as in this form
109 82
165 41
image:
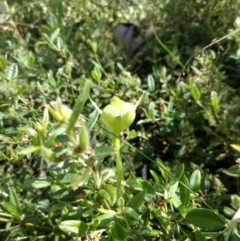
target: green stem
119 166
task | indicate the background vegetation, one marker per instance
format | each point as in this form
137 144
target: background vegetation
57 185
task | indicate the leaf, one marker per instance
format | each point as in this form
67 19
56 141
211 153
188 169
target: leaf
195 92
172 190
199 236
82 98
10 208
118 232
3 63
184 190
130 212
158 179
30 149
179 172
105 195
137 200
38 183
112 191
145 231
214 100
14 199
102 152
146 186
78 180
12 71
205 219
74 226
96 73
92 121
195 181
151 83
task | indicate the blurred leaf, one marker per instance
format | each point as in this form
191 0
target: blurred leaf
96 73
215 100
112 191
158 179
102 152
38 183
236 147
151 83
12 71
199 236
82 98
30 149
130 212
205 218
92 121
195 92
14 199
137 200
3 64
145 231
179 172
118 233
13 210
146 186
73 226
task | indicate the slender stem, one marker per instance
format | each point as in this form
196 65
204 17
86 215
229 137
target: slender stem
119 165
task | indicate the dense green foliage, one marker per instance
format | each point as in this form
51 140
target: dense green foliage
59 69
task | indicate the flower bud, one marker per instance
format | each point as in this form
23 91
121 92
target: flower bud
118 115
84 139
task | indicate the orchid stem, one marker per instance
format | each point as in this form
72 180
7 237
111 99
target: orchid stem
119 166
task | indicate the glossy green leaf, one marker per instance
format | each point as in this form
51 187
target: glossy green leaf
12 209
73 226
118 233
38 183
184 190
195 181
205 219
14 199
137 200
82 98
